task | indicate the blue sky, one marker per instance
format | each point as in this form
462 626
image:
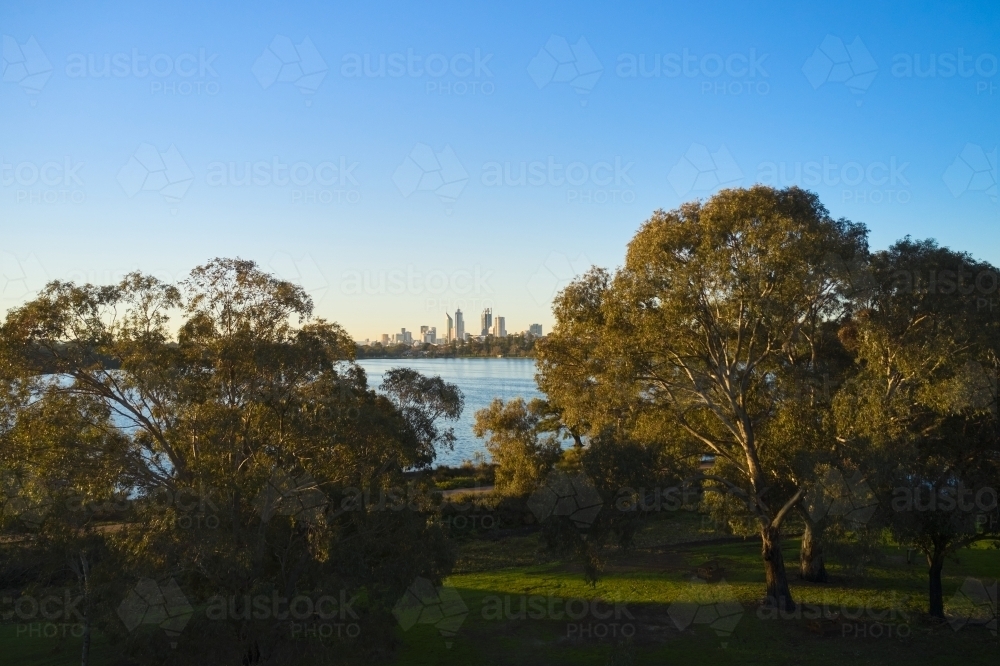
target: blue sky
395 193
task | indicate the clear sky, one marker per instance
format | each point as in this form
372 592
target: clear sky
408 158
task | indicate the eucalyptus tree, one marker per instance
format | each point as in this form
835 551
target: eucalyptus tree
570 372
923 405
711 325
60 455
522 452
245 430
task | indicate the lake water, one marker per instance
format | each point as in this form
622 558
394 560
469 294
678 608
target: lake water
480 379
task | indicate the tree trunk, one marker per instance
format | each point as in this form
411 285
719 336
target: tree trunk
777 591
811 564
85 571
85 651
935 561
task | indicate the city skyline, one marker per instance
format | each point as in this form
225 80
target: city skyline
490 325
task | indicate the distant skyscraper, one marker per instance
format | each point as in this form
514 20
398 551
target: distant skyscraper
486 321
385 339
459 325
535 329
500 327
449 328
428 334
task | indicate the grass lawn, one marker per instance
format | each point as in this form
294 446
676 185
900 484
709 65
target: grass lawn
652 610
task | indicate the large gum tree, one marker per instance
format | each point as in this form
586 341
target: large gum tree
698 327
224 389
922 406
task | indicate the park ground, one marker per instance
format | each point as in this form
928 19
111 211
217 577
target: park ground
686 594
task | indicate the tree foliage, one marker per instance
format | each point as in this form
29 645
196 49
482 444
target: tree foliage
234 446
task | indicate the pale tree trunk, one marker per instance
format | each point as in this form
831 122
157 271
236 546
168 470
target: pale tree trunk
811 564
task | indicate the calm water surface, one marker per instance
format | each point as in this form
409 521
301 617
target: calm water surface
481 380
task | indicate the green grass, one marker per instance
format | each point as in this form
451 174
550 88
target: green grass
458 482
877 618
22 645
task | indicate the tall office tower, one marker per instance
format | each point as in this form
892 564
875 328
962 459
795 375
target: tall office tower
535 329
486 321
423 330
449 328
385 339
459 325
429 334
500 327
